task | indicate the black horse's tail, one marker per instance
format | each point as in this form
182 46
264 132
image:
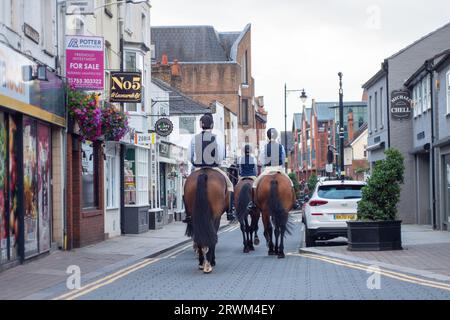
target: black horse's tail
279 215
202 226
245 196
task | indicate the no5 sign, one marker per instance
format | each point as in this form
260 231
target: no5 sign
126 87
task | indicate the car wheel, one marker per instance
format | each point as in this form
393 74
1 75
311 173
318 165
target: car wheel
310 240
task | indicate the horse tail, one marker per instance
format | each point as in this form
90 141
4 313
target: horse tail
245 197
279 215
204 232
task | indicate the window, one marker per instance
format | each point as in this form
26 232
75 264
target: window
381 109
136 176
134 62
447 187
415 102
429 92
370 114
142 176
111 182
448 92
424 95
6 12
89 176
144 29
244 68
376 111
47 27
187 125
340 192
244 112
419 98
130 176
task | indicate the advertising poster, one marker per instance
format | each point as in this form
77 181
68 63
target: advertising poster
44 167
13 218
3 177
30 186
85 62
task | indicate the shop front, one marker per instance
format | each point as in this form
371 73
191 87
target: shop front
32 113
135 213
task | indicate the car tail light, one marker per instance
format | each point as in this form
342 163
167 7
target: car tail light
316 203
317 214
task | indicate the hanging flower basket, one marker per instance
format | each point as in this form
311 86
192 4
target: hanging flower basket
84 109
94 122
114 123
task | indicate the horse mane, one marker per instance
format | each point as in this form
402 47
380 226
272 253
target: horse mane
278 214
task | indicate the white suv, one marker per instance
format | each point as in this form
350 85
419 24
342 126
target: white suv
332 204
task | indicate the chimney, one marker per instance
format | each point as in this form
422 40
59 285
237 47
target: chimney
161 70
350 125
175 71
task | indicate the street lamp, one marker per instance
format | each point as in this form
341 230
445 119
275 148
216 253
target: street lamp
341 127
303 98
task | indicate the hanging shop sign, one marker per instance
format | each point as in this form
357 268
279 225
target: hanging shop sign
80 7
401 104
43 100
164 127
85 62
126 87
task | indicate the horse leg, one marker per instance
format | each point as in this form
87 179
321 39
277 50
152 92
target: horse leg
250 237
277 236
281 248
213 257
201 258
244 231
269 235
207 268
255 222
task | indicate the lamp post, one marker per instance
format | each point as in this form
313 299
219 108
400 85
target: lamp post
341 127
303 98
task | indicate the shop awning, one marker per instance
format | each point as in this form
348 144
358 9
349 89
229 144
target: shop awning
376 146
167 160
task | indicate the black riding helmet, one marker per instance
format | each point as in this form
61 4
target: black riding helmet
207 121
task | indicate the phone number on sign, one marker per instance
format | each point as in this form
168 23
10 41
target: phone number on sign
98 82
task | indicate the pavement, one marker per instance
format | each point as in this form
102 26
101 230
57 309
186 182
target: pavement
42 277
425 253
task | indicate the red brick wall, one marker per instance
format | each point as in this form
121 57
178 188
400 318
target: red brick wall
86 227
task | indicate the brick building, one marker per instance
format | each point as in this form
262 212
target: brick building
211 66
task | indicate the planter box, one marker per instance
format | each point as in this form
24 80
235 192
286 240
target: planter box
135 220
156 219
374 235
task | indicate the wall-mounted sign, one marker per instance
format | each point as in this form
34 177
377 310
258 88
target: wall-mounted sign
401 104
31 33
164 127
85 62
126 87
79 7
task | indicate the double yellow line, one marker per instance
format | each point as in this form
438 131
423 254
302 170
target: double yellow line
384 272
124 272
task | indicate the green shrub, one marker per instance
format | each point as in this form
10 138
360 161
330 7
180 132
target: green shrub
382 192
312 182
294 179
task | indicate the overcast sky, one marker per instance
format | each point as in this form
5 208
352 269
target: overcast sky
306 43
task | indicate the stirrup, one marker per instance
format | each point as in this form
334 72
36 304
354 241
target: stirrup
251 205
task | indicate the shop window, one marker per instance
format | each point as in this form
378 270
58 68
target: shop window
130 177
447 189
4 224
112 191
142 176
89 176
448 92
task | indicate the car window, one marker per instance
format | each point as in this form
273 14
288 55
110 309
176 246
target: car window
340 192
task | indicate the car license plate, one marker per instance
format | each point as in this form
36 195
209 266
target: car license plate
345 217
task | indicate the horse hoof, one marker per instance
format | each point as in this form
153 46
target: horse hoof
200 267
272 253
213 264
207 268
281 256
246 250
252 248
256 242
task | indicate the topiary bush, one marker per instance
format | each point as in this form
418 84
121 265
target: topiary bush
312 182
382 192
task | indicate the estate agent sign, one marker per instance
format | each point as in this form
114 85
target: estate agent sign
401 104
85 62
126 87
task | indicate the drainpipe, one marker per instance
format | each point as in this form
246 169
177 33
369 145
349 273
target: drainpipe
430 70
388 98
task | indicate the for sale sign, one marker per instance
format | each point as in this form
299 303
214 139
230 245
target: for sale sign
85 66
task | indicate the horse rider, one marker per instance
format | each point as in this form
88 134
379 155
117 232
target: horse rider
207 150
272 157
247 164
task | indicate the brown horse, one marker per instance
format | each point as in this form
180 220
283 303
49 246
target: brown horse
243 195
206 198
275 197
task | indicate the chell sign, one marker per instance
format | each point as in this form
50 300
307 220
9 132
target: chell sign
401 104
